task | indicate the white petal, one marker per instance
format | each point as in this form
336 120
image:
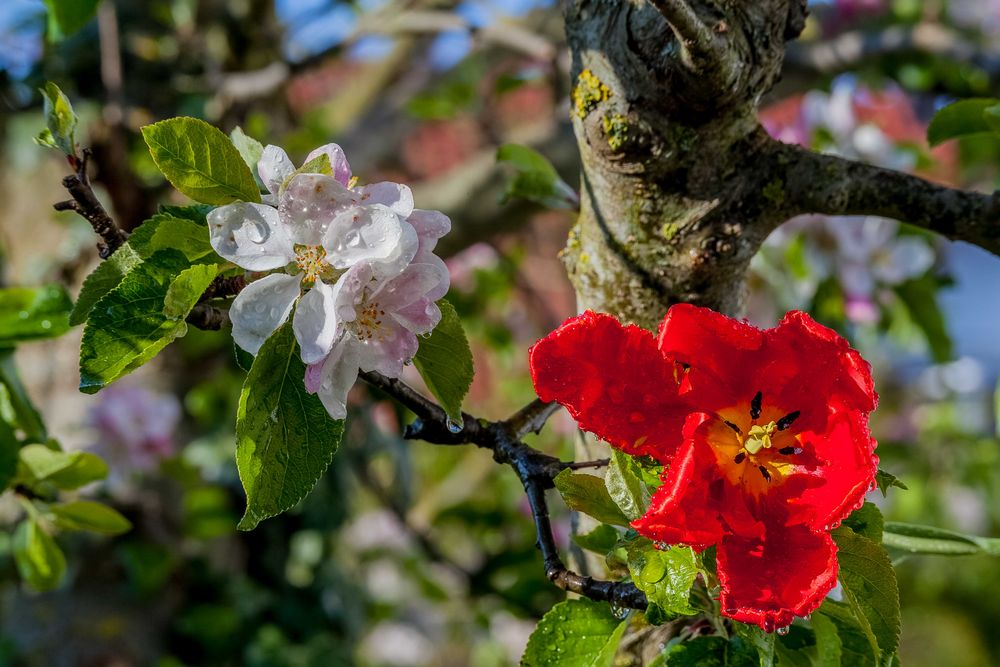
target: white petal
396 196
249 236
310 203
369 233
430 226
338 161
418 281
316 324
907 257
274 167
262 307
420 317
387 353
338 376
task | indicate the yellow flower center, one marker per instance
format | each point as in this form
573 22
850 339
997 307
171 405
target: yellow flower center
759 437
311 260
368 325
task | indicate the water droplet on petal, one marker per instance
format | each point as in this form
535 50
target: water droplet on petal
258 231
453 426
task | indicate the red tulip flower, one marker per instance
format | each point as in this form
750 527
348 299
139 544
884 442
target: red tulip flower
763 435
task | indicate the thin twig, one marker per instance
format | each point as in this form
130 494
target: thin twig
580 465
85 203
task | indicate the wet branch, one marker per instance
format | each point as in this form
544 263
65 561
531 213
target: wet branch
815 183
535 469
85 202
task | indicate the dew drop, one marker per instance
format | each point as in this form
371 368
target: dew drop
618 612
453 426
353 239
46 324
258 232
808 617
782 630
661 546
259 307
23 314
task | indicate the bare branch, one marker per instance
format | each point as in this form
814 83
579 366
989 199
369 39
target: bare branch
704 49
580 465
531 418
85 203
816 183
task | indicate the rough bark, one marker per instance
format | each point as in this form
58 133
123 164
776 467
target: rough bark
672 208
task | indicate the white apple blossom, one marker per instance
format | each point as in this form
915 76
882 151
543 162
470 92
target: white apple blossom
378 320
318 230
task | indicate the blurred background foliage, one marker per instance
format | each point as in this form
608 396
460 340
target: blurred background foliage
407 554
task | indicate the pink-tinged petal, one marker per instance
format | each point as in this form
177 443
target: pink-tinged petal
338 162
388 351
249 236
416 282
770 581
681 510
420 317
262 307
721 350
614 382
370 234
430 226
338 374
309 205
316 323
396 196
314 376
274 167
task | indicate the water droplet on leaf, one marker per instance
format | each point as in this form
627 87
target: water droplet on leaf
783 630
453 426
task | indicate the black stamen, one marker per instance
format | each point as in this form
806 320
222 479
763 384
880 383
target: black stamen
765 473
734 427
787 420
740 458
787 450
755 405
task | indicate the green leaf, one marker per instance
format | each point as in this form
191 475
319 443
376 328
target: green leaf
600 540
575 633
186 289
870 589
68 16
318 165
39 560
444 361
28 313
165 232
914 539
127 326
962 119
761 642
200 161
250 149
66 470
886 481
855 645
90 516
60 120
535 178
919 296
25 413
709 652
285 439
866 521
587 494
665 577
102 280
828 644
9 447
193 212
624 482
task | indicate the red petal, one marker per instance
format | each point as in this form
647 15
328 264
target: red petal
847 450
614 382
810 367
725 349
768 582
681 511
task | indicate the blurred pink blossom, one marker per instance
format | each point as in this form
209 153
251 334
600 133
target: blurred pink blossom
135 427
463 266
